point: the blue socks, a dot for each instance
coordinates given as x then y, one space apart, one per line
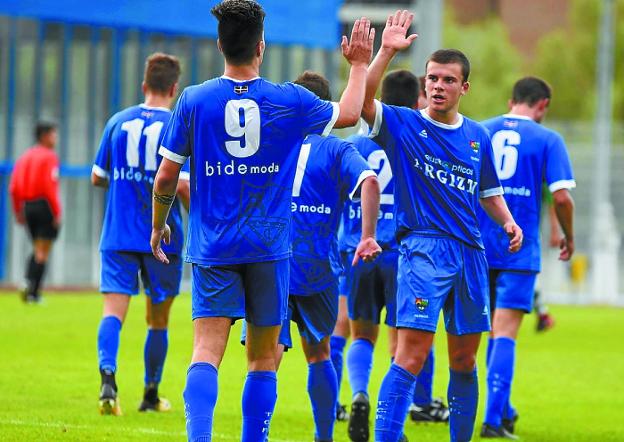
154 355
463 397
337 345
200 397
395 395
323 391
423 394
499 377
359 365
108 343
259 397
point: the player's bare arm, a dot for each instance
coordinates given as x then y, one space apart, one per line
357 51
165 185
564 208
368 249
496 208
98 181
393 40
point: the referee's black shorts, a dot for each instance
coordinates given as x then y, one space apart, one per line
40 220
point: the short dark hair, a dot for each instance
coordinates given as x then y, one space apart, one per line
423 84
162 71
400 88
448 56
530 90
241 23
42 128
315 83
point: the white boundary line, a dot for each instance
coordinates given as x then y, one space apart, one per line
141 430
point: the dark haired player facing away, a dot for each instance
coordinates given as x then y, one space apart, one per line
243 135
525 154
126 164
443 168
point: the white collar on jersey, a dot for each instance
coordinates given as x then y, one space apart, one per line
145 106
238 81
517 117
460 120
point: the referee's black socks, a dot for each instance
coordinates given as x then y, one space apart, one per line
34 275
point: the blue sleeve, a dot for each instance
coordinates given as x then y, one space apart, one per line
317 116
176 144
387 127
558 167
102 164
353 169
489 184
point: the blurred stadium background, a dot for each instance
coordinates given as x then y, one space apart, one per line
77 64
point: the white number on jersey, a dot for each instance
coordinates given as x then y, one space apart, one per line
302 162
384 174
250 128
152 135
504 144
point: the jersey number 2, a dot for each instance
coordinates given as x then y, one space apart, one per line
384 174
152 135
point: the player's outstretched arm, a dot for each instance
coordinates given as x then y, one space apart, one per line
393 40
368 249
564 208
165 185
357 51
496 208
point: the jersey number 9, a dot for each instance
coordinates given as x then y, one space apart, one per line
242 120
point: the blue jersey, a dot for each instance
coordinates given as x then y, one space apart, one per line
352 216
526 154
243 139
128 158
328 171
440 171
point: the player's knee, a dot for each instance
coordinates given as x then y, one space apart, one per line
462 360
412 361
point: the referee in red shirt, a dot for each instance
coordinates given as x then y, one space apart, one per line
34 191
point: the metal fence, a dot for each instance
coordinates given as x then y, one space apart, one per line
80 75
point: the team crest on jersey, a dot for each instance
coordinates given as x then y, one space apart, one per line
241 89
475 145
421 304
512 124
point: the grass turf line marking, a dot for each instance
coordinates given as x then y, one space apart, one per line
61 425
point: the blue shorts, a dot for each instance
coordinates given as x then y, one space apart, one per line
512 289
373 286
256 291
315 316
438 272
120 274
284 337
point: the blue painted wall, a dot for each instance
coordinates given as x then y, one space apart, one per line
311 23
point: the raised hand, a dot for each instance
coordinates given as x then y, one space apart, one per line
367 250
359 50
159 235
395 33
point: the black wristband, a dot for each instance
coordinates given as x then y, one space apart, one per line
167 200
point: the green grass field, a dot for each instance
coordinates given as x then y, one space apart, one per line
568 380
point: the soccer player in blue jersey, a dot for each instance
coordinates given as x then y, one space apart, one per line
443 168
243 135
329 170
525 155
126 164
